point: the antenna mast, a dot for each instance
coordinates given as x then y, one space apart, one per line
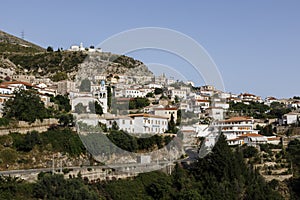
22 34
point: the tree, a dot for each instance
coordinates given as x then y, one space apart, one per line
150 94
158 91
50 49
65 119
63 102
171 125
139 102
26 105
85 86
176 99
109 97
250 152
80 108
95 108
98 108
59 76
115 126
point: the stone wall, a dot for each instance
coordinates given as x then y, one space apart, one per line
23 127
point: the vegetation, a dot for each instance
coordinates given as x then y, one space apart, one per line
46 63
61 140
80 108
59 76
124 61
65 119
293 151
220 175
134 144
266 130
49 49
63 102
47 187
4 122
26 105
259 110
158 91
150 95
109 97
9 48
139 102
95 107
172 126
249 152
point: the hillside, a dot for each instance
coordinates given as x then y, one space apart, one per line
28 58
10 43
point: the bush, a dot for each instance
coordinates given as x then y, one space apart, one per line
8 155
250 152
4 122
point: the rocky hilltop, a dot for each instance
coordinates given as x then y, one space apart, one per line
26 58
108 63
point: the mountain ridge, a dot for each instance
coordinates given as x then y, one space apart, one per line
11 39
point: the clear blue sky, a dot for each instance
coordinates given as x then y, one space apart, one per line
255 44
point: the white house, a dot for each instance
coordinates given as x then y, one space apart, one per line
140 123
221 104
236 126
133 93
187 89
294 104
154 85
179 93
204 104
270 100
216 113
250 97
208 87
290 118
166 112
5 90
207 92
124 123
146 123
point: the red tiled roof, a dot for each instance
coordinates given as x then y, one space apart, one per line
273 138
248 94
202 100
165 108
146 115
17 82
237 119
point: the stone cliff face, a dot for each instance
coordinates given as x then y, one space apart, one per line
107 63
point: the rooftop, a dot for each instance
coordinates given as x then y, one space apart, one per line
237 119
147 115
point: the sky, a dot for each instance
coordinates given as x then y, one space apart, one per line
254 44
